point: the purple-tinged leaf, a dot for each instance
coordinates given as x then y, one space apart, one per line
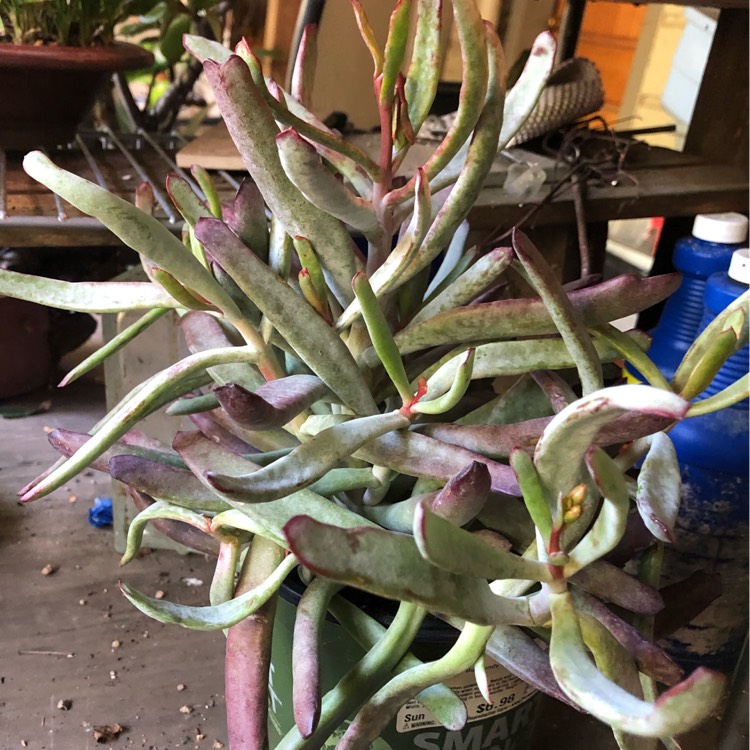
178 486
303 73
464 495
557 390
309 335
177 531
650 658
612 584
262 440
203 332
306 685
519 318
636 538
252 127
248 653
421 456
271 405
206 423
659 485
678 710
245 215
389 564
511 647
493 441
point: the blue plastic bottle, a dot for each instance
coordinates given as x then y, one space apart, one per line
709 250
712 527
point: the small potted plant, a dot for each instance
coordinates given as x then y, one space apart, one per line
55 55
347 425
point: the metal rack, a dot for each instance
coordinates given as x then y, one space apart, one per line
31 215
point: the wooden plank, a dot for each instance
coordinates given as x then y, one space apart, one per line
212 149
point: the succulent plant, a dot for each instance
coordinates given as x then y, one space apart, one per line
346 419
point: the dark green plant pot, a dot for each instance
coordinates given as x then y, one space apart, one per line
507 724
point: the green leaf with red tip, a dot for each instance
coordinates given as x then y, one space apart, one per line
659 485
677 711
395 49
389 564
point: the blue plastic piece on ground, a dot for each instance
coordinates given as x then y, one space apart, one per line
100 513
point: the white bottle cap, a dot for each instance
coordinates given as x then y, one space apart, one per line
728 228
739 266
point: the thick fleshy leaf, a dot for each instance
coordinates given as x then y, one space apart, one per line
308 462
494 441
204 332
389 564
566 318
424 68
395 49
253 130
308 622
650 658
248 653
178 486
469 285
519 654
479 159
267 519
374 716
678 710
507 358
245 215
85 296
532 490
213 429
421 456
161 510
522 98
517 318
273 404
612 584
212 617
659 483
114 345
457 551
318 345
452 397
726 334
181 533
143 233
138 404
440 700
185 199
320 186
566 439
609 526
555 388
303 74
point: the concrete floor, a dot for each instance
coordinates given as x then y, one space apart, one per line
60 632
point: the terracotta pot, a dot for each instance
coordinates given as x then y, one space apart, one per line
49 90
